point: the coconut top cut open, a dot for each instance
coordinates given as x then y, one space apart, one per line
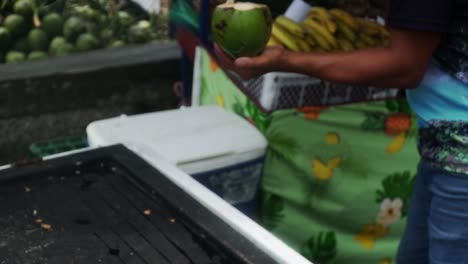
241 6
242 28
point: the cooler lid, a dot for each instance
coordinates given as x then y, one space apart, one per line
184 135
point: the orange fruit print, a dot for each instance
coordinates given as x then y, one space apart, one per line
398 123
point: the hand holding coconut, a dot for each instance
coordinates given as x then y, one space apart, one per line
250 67
241 31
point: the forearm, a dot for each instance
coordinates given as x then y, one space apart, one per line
401 65
378 67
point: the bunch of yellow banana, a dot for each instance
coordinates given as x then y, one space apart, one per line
328 30
291 35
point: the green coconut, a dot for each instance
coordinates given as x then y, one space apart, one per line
64 50
16 24
24 8
60 47
37 55
73 27
38 40
124 19
52 24
117 44
140 32
56 43
241 29
87 41
15 56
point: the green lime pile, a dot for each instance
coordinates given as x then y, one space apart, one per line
32 30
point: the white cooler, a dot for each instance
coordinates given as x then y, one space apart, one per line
216 147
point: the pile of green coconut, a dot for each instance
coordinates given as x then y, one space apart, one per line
36 29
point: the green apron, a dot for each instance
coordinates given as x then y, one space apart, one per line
336 181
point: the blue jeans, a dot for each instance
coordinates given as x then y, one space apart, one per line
437 229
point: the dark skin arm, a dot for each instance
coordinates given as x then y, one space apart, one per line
401 65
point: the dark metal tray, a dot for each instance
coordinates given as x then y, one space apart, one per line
109 206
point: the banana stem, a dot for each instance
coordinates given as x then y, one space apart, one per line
36 19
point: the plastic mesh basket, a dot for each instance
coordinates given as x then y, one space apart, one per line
45 148
275 91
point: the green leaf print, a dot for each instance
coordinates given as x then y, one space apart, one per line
397 185
320 248
374 121
392 105
272 210
398 106
251 109
238 108
261 120
404 107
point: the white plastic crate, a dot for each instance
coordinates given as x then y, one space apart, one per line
279 90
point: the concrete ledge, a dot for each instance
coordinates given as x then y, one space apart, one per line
135 74
92 61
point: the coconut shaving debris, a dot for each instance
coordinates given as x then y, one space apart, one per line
46 227
147 212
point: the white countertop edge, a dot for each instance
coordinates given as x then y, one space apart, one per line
265 240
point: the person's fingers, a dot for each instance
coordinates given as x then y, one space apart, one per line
246 67
244 62
262 61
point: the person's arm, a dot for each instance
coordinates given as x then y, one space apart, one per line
416 28
401 65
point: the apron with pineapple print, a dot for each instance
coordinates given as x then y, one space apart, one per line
337 181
